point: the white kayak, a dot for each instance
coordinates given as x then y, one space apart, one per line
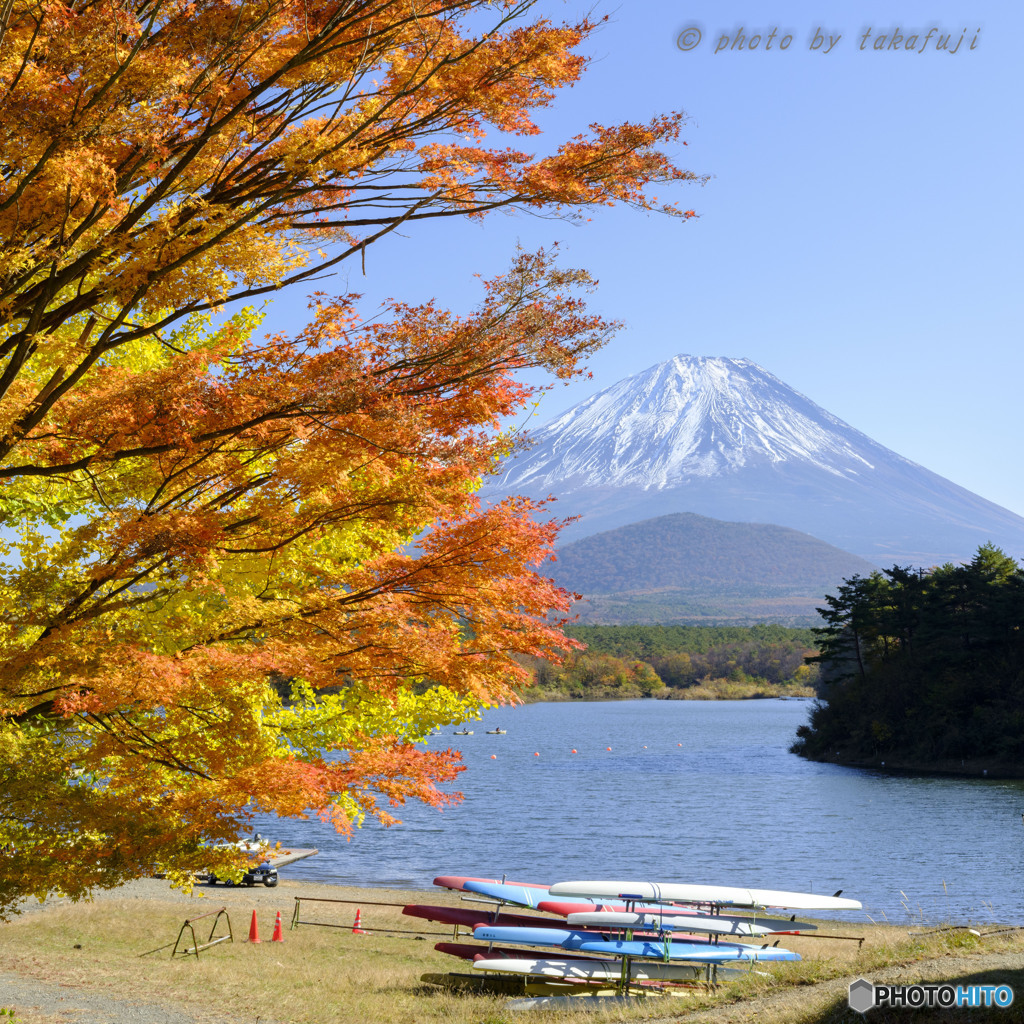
710 895
599 970
718 924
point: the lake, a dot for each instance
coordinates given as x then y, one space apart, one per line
692 791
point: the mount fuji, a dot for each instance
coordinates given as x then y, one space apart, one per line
726 439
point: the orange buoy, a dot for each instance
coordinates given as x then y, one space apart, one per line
574 750
536 753
607 748
494 757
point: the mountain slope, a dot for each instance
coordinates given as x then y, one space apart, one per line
726 439
688 568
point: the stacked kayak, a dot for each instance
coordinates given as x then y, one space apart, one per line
646 936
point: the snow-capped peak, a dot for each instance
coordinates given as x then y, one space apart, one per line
689 417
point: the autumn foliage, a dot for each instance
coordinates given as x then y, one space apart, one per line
247 573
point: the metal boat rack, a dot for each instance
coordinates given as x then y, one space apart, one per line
196 946
297 920
210 941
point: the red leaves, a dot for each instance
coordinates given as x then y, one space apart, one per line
290 510
202 512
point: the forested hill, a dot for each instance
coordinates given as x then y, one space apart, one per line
682 662
924 670
653 641
686 568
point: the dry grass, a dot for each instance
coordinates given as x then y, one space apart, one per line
317 975
814 990
331 976
728 689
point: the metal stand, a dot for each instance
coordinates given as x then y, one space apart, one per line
210 941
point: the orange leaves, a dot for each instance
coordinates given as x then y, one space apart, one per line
208 523
291 510
163 160
614 165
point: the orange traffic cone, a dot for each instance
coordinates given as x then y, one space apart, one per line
254 929
356 929
278 934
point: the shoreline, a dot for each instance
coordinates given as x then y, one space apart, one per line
718 691
975 768
205 896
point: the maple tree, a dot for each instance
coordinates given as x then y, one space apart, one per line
251 574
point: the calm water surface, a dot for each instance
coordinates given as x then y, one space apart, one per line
694 791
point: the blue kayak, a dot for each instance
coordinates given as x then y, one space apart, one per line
595 942
521 895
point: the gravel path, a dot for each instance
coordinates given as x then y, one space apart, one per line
62 1003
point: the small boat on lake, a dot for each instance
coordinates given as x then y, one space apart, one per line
496 732
463 732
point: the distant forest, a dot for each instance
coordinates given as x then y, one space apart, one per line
684 662
924 669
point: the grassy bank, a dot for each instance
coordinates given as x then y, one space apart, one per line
321 975
707 689
677 663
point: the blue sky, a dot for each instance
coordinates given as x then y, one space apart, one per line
860 236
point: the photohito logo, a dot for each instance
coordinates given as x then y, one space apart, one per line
865 996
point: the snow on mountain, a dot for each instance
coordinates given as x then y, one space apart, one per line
724 438
685 418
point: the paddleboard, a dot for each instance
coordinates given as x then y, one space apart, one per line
497 984
520 893
712 924
459 882
713 895
564 908
695 952
593 970
468 951
593 942
469 917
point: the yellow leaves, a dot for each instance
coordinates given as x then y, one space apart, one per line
181 185
202 518
83 176
335 721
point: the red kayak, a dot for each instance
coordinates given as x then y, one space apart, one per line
467 951
469 917
565 909
458 882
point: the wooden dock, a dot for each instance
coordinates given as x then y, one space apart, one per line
279 859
